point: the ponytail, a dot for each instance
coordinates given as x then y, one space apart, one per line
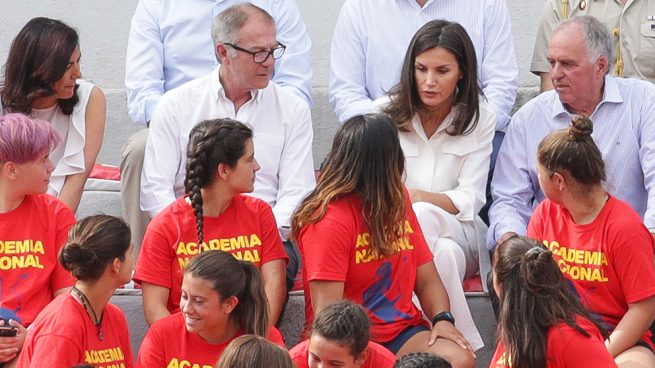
252 309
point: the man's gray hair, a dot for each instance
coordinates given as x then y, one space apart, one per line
596 36
227 23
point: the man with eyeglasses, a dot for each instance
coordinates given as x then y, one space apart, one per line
170 44
239 88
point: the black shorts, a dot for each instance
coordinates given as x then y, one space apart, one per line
397 342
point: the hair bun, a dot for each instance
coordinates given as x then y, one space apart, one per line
580 128
74 254
534 273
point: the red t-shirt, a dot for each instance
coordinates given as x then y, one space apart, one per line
246 229
64 335
378 356
30 238
168 344
609 261
336 249
566 347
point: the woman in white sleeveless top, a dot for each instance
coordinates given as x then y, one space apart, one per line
42 80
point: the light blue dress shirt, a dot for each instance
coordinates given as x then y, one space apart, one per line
170 43
624 131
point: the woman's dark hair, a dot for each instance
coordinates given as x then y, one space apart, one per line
533 298
573 150
38 57
366 159
231 277
405 98
211 142
421 360
345 323
250 351
93 243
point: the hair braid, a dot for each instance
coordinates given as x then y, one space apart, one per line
211 143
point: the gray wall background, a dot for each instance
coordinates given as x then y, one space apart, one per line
104 24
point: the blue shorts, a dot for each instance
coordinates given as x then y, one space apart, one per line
404 335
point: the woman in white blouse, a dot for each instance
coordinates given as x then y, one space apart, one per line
41 80
446 132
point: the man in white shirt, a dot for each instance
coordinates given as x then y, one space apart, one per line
170 44
240 89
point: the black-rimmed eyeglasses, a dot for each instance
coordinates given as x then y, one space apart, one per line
261 56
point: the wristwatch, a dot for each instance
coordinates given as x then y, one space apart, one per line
443 316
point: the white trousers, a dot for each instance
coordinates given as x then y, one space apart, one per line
454 246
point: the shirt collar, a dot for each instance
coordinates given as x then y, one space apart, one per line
219 92
611 94
447 121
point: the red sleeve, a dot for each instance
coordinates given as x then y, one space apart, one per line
631 257
125 340
327 247
535 226
151 352
64 220
379 356
423 254
156 254
55 351
271 242
300 354
275 336
579 351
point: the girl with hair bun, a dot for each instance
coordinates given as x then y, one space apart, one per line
82 327
540 323
340 338
600 244
42 79
214 215
222 299
33 228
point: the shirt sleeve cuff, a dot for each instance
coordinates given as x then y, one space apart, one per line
498 229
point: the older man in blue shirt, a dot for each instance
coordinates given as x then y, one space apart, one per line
623 116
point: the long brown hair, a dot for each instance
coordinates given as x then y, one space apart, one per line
366 160
405 99
533 298
231 277
211 142
38 57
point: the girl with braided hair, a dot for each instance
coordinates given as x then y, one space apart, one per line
600 244
222 299
340 338
540 323
214 215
